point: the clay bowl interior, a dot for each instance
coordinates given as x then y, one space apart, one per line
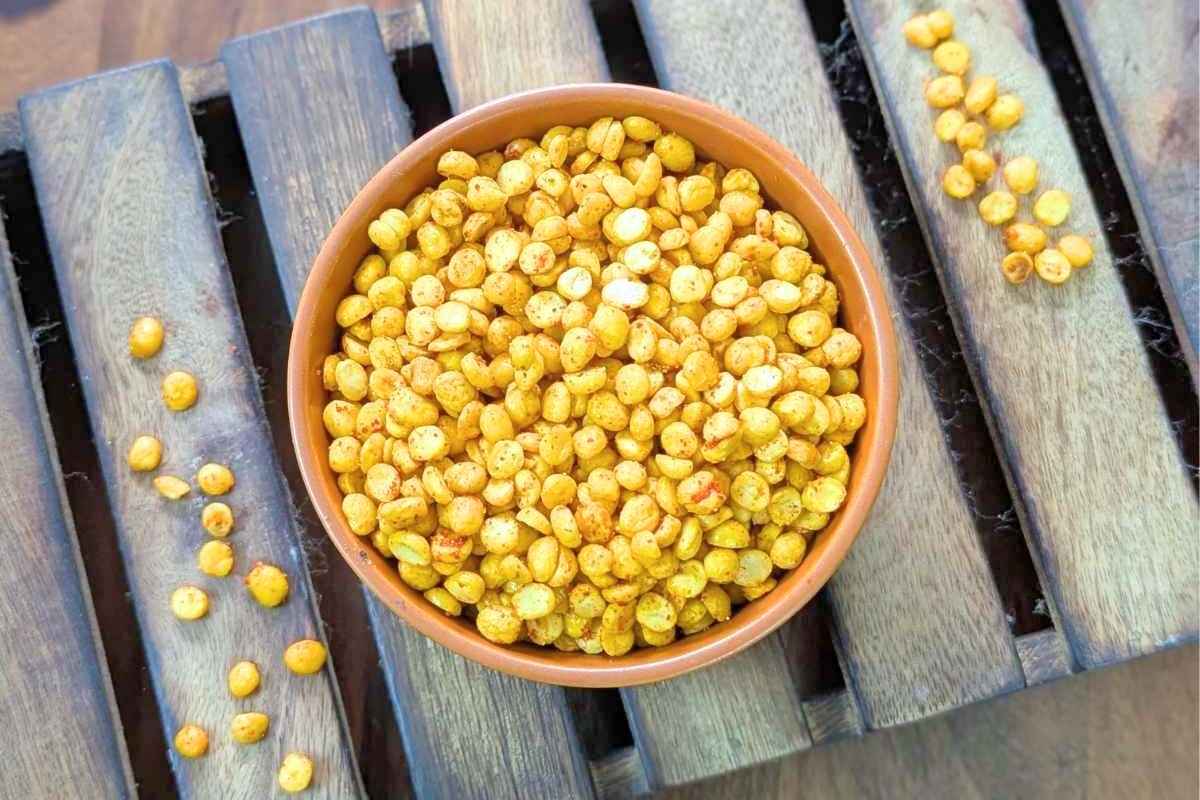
785 182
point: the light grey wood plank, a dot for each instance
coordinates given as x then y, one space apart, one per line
909 651
1044 656
489 48
1142 68
311 146
53 667
1101 488
129 222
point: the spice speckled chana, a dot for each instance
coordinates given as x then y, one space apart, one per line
305 657
145 454
179 391
295 773
590 394
267 584
145 337
191 741
243 679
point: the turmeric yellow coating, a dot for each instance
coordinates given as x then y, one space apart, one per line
591 392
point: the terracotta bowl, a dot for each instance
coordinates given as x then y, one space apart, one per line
718 135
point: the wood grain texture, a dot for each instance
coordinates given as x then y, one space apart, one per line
620 775
1101 488
489 48
311 145
917 617
1044 656
125 202
54 667
833 716
739 712
1141 68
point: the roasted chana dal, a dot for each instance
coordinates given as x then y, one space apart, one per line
591 391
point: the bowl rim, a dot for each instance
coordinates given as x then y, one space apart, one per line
678 658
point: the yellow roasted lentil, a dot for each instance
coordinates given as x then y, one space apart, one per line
572 423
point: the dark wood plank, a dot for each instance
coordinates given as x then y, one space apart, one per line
1140 68
709 721
54 667
304 180
1101 488
125 203
833 716
490 48
908 651
620 775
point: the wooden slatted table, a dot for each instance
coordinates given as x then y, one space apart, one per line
1101 485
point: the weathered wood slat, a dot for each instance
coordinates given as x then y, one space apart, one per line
1101 487
489 48
1044 656
53 668
908 650
125 202
707 722
311 145
1141 69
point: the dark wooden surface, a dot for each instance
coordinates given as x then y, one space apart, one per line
53 669
1072 401
125 202
907 652
1149 101
304 181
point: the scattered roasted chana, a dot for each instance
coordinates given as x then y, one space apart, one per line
249 727
243 679
215 558
1052 207
941 22
958 182
591 391
189 603
145 337
981 165
145 454
981 93
1021 174
948 124
179 391
952 57
1025 238
1005 112
268 584
215 479
1077 249
295 773
944 91
171 487
191 741
1052 266
1017 267
217 519
998 208
304 657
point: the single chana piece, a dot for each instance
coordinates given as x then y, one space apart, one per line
249 727
919 33
1005 112
981 165
144 454
1021 174
998 208
1017 267
267 584
944 91
1052 207
1052 266
1024 238
295 773
145 337
305 657
243 679
958 182
677 153
215 558
952 57
1077 249
191 741
189 603
171 487
217 519
948 124
971 136
179 391
980 94
941 22
215 479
